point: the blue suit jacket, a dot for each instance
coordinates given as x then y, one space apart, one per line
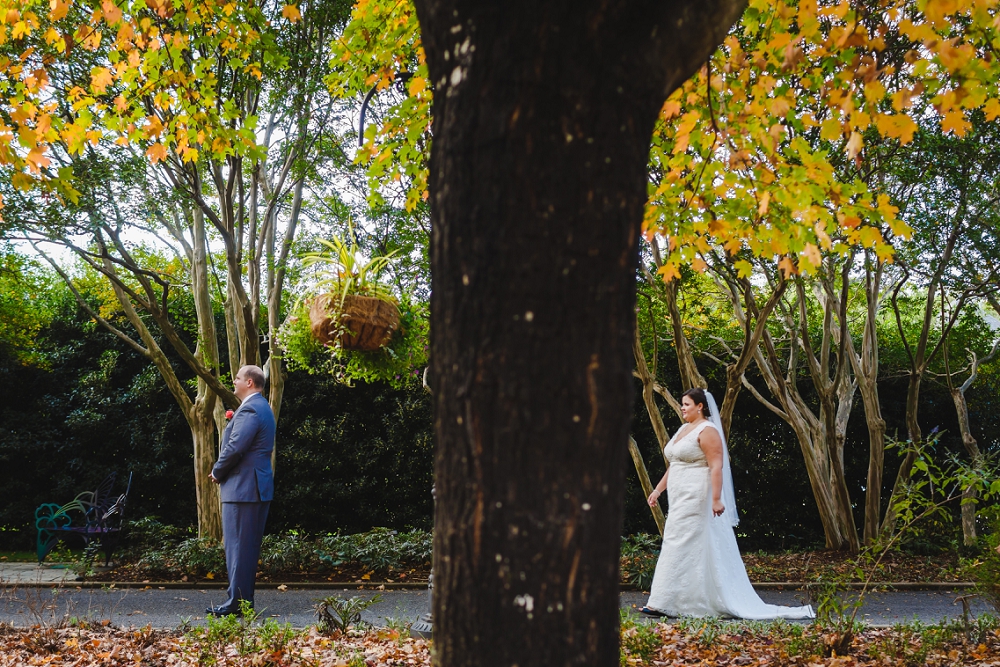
244 465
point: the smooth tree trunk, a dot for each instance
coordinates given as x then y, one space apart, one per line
646 484
969 494
820 436
543 114
206 491
655 418
865 365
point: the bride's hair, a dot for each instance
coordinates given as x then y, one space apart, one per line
697 395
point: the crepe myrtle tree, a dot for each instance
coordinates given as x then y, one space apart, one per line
542 118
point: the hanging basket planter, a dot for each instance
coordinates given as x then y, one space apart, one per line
364 323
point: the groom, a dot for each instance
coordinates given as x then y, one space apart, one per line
247 485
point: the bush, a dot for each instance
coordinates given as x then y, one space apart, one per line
639 555
986 571
380 549
158 550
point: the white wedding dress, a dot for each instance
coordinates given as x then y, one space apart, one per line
700 571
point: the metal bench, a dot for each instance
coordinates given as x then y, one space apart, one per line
92 515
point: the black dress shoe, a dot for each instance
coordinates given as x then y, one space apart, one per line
652 612
226 610
222 611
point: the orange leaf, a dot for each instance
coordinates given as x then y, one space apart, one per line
671 108
112 14
787 267
156 152
954 121
291 12
58 9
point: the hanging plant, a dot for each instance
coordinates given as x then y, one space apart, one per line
351 325
352 309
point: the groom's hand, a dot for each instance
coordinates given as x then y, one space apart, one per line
212 477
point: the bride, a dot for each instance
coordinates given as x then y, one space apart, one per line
700 571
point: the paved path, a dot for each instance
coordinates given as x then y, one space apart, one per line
25 606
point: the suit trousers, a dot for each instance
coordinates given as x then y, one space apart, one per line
242 532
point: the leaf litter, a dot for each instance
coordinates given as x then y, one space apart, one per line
691 642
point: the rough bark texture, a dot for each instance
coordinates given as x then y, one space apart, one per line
543 114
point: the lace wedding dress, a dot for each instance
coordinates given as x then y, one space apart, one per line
700 571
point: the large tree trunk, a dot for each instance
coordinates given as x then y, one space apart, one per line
543 114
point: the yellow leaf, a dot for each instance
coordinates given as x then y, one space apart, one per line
699 265
210 575
22 181
291 12
669 272
744 268
100 79
954 121
417 85
899 126
830 129
992 109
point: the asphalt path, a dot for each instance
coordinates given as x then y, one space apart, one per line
173 608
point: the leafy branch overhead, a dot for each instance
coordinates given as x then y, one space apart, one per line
767 152
151 73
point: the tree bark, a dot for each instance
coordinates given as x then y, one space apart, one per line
655 418
644 481
543 115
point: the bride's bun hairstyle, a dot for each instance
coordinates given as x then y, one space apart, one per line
697 395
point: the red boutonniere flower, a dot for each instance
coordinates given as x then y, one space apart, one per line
229 414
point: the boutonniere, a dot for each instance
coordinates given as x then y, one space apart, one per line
229 414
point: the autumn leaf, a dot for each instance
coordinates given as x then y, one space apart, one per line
854 145
291 12
156 153
992 109
58 9
955 122
812 256
100 79
669 272
765 201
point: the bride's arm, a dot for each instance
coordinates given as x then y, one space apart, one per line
711 444
658 490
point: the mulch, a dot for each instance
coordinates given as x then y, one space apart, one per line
810 566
